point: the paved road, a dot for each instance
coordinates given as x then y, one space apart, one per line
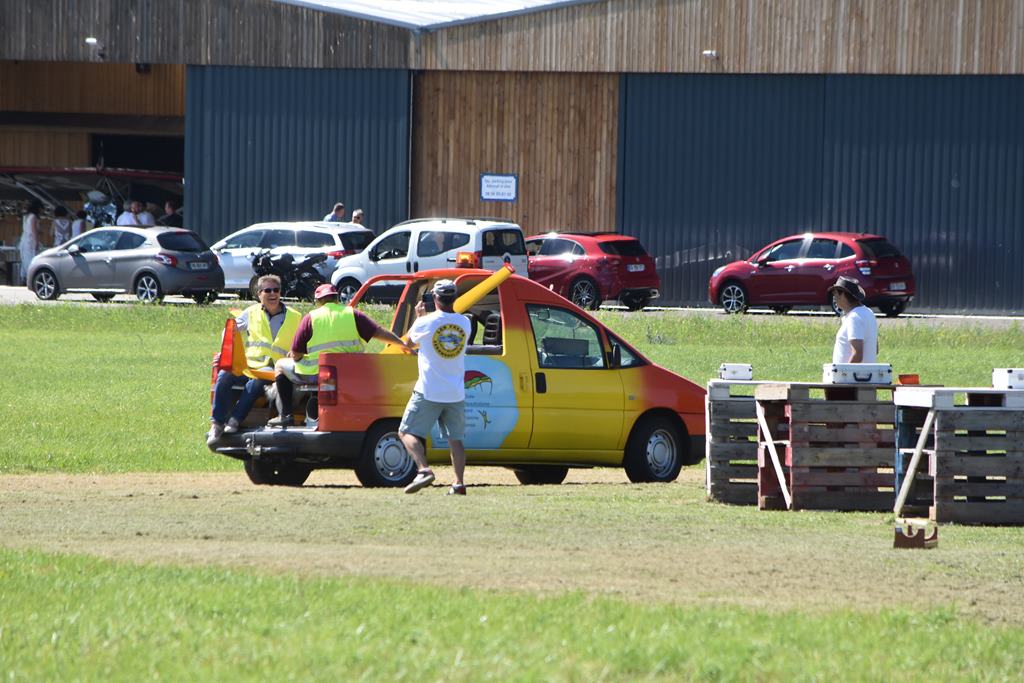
18 295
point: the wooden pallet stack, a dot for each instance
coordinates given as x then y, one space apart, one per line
974 453
834 444
731 442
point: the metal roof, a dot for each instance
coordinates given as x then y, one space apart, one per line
431 14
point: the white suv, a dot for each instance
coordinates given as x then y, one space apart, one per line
427 243
299 239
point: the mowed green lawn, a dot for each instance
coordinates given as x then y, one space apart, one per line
90 389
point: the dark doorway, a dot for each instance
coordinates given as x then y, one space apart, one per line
140 152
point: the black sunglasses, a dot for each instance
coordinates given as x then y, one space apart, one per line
271 290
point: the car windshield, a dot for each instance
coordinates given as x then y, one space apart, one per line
623 248
501 242
879 248
181 241
356 241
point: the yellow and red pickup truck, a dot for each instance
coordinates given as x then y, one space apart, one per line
548 387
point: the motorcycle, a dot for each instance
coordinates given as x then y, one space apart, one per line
298 280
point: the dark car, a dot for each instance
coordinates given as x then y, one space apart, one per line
798 270
588 268
148 262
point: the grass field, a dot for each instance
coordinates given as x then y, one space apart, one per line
201 576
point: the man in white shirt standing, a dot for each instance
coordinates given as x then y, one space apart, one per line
857 338
440 391
136 215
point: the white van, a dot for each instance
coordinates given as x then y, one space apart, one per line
427 243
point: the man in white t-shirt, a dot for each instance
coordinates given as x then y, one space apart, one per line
440 391
857 338
136 215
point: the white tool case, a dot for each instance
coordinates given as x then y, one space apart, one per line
856 373
739 371
1008 378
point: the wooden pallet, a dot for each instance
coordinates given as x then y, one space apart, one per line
836 446
731 444
975 455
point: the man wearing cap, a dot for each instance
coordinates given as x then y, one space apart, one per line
328 328
440 391
857 338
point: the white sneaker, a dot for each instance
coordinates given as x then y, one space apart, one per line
216 431
423 479
231 427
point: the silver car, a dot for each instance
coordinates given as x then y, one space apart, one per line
149 262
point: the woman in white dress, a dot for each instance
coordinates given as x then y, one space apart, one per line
29 244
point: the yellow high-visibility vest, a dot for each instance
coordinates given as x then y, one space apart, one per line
261 349
334 331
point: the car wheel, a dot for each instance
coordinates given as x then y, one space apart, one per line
44 284
781 310
654 451
894 309
102 297
148 290
384 460
204 298
733 298
347 289
540 475
265 472
635 302
584 293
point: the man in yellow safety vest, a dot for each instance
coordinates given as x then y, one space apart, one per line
268 328
328 328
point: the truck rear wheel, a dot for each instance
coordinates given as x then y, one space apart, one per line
265 472
384 460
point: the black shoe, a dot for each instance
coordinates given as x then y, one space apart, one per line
285 421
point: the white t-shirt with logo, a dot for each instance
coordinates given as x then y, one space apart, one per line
442 340
859 323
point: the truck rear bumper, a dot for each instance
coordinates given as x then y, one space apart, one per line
300 444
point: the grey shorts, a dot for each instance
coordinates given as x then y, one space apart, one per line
421 414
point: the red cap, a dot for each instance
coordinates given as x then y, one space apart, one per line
324 291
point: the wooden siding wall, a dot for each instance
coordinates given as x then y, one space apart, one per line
43 148
83 88
750 36
201 32
558 132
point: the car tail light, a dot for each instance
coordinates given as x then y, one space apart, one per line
328 377
166 259
468 259
605 263
339 254
864 266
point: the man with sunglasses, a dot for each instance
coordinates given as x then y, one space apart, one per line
268 329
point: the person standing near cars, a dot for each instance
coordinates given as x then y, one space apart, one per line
440 392
337 215
29 243
171 217
135 215
80 224
329 328
857 338
61 226
268 329
357 216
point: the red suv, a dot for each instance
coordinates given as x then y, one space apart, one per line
798 270
590 267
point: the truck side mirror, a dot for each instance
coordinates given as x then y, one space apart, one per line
616 356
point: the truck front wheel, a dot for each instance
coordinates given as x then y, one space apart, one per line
655 450
384 460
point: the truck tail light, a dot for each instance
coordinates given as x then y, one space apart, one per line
468 259
166 259
328 377
864 266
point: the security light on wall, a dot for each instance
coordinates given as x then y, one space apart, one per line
98 51
710 54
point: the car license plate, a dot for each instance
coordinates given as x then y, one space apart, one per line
898 287
635 267
199 265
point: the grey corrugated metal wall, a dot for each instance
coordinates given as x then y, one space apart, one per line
714 166
266 144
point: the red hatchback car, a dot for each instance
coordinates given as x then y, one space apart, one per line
798 270
590 267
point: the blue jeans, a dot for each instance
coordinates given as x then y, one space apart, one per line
223 395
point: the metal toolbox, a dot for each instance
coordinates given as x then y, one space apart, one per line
740 371
856 373
1008 378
